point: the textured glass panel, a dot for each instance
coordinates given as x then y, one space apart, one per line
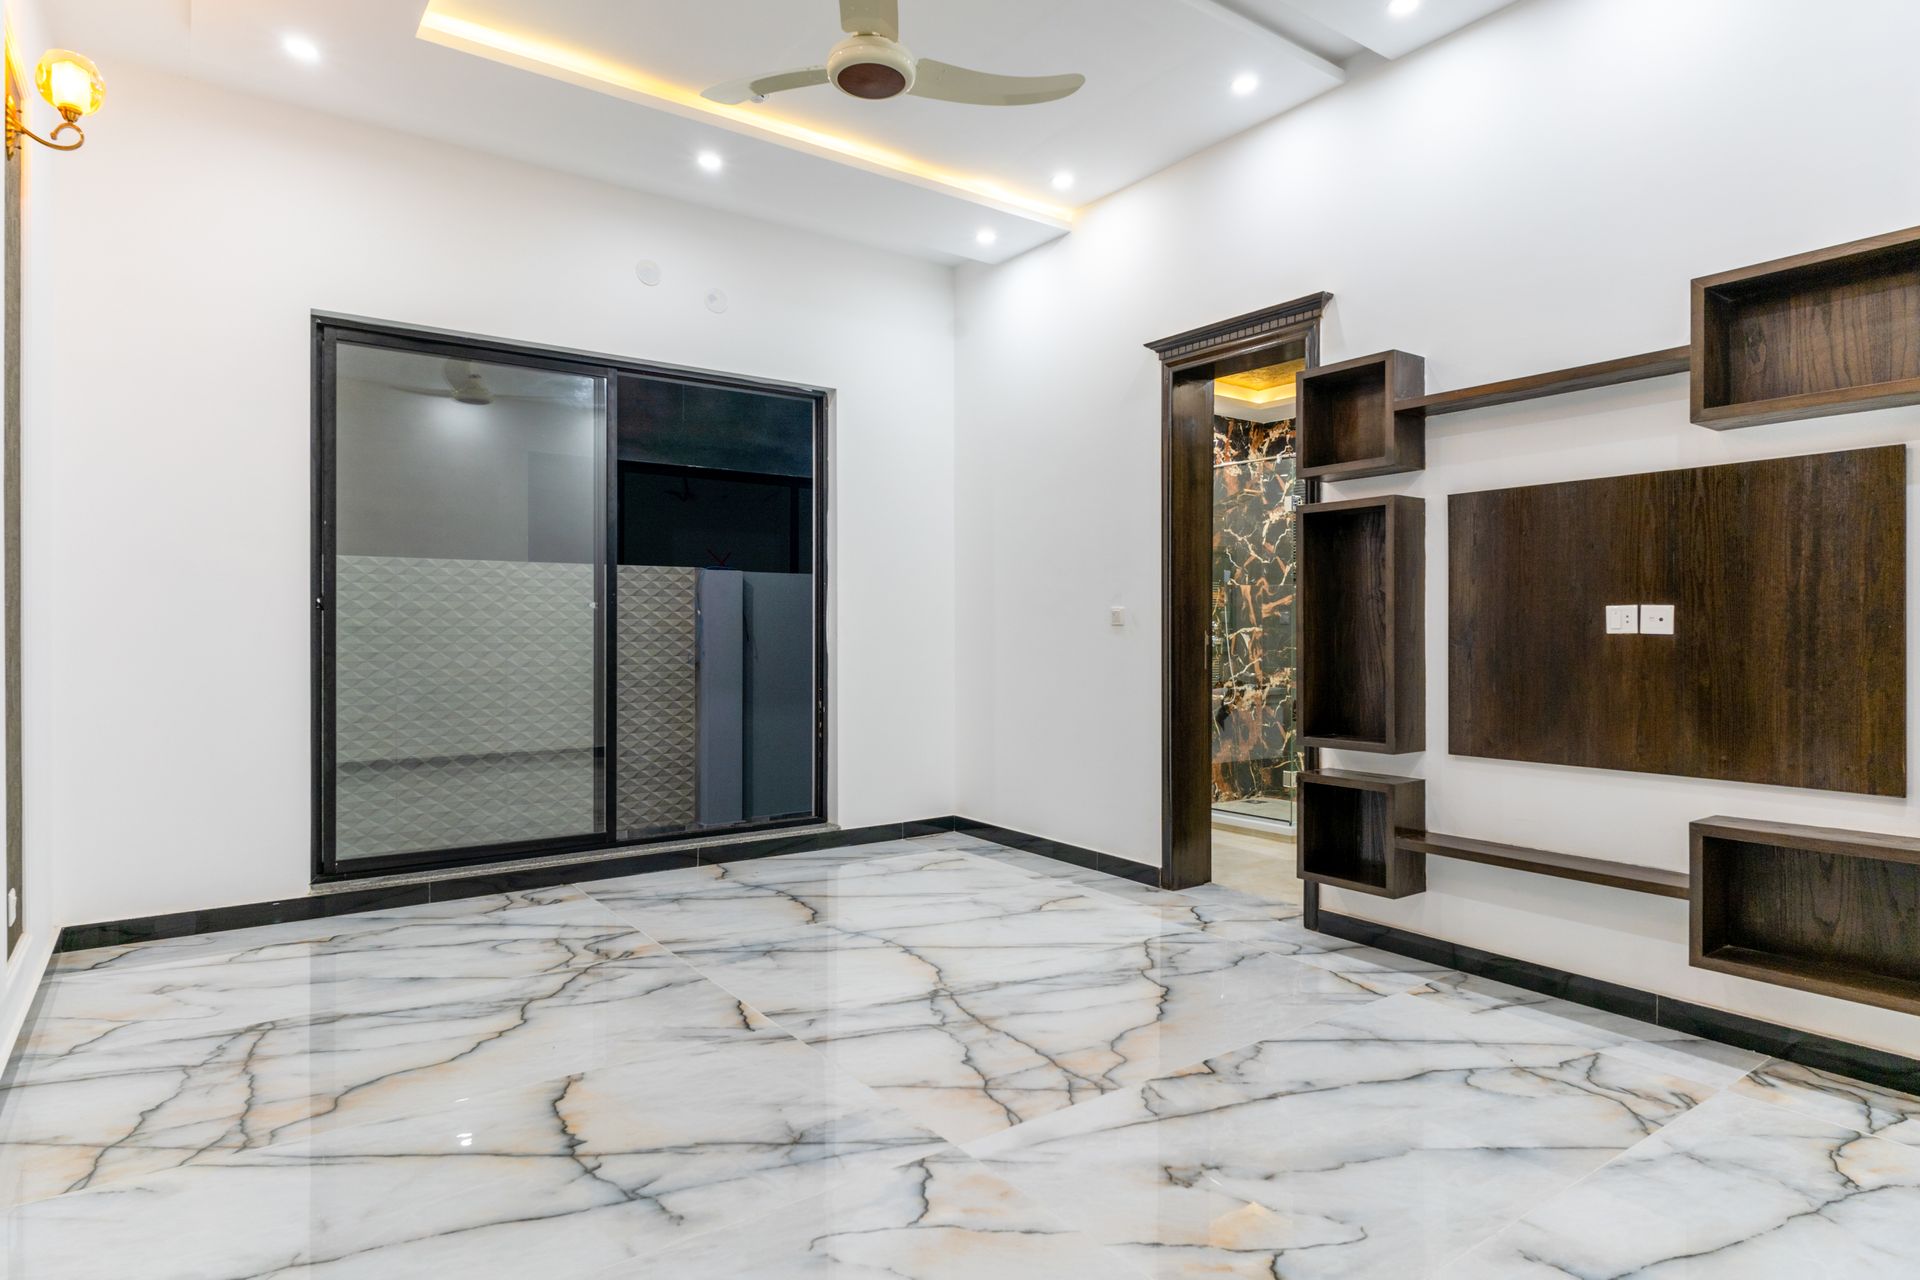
715 662
469 527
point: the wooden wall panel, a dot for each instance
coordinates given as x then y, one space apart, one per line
1788 662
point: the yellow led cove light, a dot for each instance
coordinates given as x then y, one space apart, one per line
590 71
1241 395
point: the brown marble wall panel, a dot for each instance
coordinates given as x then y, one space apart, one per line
1255 494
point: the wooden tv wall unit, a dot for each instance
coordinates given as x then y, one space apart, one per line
1786 667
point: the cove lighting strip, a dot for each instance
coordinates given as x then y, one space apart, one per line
590 71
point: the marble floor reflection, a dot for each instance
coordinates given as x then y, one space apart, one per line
936 1059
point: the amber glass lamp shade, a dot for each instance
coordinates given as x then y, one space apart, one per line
70 82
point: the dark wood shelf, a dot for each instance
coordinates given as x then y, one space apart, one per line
1350 828
1832 331
1830 911
1362 607
1346 422
1605 373
1564 866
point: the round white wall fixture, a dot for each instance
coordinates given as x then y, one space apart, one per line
647 272
716 301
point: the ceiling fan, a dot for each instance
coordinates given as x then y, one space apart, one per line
872 63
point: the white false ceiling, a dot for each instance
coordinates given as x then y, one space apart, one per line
610 89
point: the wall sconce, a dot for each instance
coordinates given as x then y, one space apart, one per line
73 85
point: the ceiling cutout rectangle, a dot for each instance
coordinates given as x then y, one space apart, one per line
595 71
1005 105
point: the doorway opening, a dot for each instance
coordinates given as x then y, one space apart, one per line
1231 753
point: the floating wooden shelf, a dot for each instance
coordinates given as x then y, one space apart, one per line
1350 825
1564 866
1362 604
1605 373
1832 331
1346 420
1830 911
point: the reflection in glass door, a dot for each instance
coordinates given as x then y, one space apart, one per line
467 582
716 710
1256 492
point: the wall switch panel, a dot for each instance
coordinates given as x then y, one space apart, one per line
1117 616
1623 619
1656 619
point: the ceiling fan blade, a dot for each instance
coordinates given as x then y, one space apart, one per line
736 91
949 83
870 18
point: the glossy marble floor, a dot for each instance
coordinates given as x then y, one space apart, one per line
931 1060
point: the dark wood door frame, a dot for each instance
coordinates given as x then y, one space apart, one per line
1188 364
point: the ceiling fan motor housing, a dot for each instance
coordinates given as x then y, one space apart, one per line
870 67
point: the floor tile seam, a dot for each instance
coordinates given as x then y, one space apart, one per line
1616 1158
1807 1113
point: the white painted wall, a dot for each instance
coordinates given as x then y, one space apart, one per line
20 972
1534 193
167 535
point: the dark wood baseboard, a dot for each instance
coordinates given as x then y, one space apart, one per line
1875 1066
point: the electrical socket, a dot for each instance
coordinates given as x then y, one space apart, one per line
1656 619
1623 619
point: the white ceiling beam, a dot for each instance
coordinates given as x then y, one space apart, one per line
1261 31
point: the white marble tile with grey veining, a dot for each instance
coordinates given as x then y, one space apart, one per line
940 1218
156 1097
1662 1048
1377 1142
970 1058
1738 1190
560 1176
1884 1113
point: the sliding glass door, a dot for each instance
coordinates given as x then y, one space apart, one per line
468 533
560 603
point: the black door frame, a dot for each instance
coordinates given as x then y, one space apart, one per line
1189 362
328 329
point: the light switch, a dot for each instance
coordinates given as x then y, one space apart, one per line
1117 616
1623 619
1656 619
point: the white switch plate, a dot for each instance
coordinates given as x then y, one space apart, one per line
1656 619
1117 616
1623 619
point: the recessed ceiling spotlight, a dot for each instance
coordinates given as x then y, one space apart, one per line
1063 181
710 161
1402 8
1244 83
986 235
299 48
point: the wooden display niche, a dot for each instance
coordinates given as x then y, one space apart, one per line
1362 602
1347 421
1350 825
1835 912
1832 331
